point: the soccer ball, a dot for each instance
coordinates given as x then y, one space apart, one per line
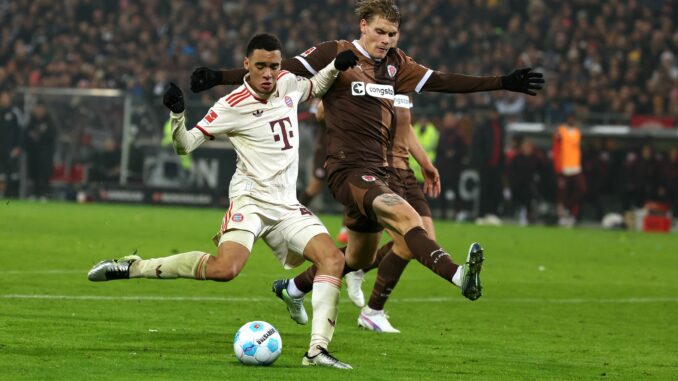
257 343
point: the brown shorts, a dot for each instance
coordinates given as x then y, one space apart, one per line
411 191
356 188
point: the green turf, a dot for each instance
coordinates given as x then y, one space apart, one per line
557 305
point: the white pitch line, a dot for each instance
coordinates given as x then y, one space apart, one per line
395 300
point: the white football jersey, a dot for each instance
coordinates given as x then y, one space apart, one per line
265 135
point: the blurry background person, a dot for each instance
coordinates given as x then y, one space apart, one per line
106 163
487 156
567 163
523 173
670 173
427 135
40 143
449 156
10 146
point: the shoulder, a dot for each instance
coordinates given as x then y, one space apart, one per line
233 98
398 55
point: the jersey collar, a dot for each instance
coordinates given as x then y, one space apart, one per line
362 50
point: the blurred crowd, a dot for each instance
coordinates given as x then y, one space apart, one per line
615 56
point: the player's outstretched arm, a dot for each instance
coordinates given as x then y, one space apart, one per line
322 81
521 80
183 141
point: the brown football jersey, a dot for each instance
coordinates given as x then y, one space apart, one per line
359 110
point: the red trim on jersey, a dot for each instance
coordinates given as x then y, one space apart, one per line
283 72
227 217
310 90
239 99
230 97
204 132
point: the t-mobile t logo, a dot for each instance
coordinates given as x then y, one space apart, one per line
284 132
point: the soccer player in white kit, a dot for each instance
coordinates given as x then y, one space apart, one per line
260 119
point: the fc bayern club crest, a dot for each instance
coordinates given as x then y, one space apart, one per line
391 70
238 217
288 101
369 178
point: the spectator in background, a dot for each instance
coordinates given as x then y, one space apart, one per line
106 163
670 174
427 135
10 146
523 176
567 163
450 154
487 156
596 172
40 144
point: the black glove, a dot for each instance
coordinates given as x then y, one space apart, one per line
203 78
345 59
174 99
523 81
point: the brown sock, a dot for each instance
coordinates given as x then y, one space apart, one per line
390 270
429 253
304 281
381 253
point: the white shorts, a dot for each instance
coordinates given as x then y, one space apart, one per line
286 229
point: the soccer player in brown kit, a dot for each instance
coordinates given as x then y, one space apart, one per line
359 115
391 260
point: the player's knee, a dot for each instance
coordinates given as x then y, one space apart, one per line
224 273
332 261
406 222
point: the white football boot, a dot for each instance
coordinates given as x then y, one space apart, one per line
375 320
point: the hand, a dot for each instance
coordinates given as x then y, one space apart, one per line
345 59
431 181
523 81
203 78
174 99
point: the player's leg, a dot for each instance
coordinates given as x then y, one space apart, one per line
391 267
396 214
325 299
305 234
232 256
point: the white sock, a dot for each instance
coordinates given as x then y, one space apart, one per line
293 290
325 301
185 265
457 278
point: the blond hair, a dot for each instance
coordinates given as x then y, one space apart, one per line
368 9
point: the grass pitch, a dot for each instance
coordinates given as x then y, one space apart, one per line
557 305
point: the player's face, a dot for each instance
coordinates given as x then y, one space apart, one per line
264 67
378 36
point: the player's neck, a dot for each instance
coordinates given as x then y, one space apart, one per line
364 51
256 92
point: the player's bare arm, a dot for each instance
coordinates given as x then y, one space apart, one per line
430 172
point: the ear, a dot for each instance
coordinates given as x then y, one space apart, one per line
246 64
363 26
